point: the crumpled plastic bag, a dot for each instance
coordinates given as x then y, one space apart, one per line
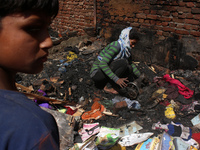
89 144
166 142
169 112
88 130
107 137
66 125
145 145
71 56
134 138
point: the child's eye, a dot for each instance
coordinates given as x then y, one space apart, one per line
33 30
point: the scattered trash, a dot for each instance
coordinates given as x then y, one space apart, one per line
64 89
166 142
134 138
95 113
196 121
129 128
120 102
107 137
155 143
71 56
196 137
89 130
182 88
158 125
144 145
87 145
175 129
169 112
180 144
66 125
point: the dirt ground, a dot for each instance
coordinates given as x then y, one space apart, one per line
75 76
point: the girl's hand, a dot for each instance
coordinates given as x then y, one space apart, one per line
122 82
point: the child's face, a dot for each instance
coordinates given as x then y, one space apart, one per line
133 42
24 42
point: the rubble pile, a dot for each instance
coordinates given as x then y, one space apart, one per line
159 110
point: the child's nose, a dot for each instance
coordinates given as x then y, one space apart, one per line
46 43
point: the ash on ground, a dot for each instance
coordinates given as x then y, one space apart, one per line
75 85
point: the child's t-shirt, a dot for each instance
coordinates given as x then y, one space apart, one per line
24 125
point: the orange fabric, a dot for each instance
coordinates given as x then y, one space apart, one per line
121 104
96 99
95 112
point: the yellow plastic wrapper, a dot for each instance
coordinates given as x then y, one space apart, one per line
192 148
71 56
169 112
118 147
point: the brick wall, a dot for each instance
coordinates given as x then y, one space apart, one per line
74 15
165 17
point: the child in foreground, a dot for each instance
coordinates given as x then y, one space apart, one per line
24 44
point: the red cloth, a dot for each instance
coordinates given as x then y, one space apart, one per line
183 90
70 111
196 137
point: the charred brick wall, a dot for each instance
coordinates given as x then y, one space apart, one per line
166 17
74 15
156 20
163 16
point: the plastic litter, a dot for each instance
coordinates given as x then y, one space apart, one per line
175 129
118 99
158 93
133 104
193 143
196 137
155 143
129 128
66 125
169 112
158 125
95 113
134 138
87 145
107 137
62 69
71 56
144 145
118 147
166 142
88 130
190 107
196 121
122 102
180 144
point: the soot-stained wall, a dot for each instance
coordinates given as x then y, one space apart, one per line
163 16
158 21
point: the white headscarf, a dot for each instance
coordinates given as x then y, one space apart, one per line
124 43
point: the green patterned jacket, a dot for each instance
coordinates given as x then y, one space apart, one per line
105 57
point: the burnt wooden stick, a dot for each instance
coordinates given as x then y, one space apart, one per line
42 98
23 88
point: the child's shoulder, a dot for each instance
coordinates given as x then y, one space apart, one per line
114 44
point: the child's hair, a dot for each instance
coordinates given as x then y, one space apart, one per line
134 35
49 7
